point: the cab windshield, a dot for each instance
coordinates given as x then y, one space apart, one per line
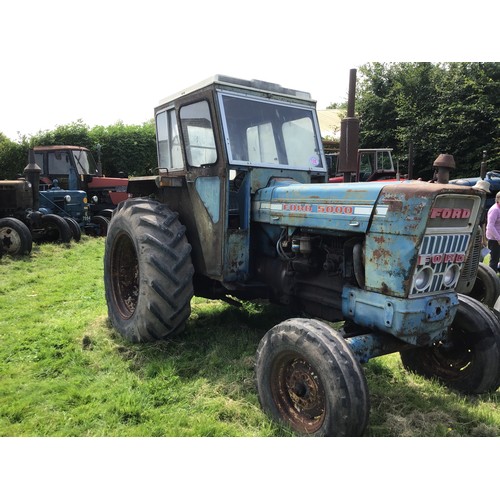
268 133
85 163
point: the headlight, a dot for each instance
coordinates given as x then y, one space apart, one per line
67 198
451 275
423 279
95 199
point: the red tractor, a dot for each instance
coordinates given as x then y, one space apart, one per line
373 164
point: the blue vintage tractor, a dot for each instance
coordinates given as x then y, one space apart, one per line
71 205
241 208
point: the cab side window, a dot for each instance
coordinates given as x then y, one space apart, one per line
198 134
168 141
59 163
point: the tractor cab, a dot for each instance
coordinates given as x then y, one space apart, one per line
220 142
374 164
72 166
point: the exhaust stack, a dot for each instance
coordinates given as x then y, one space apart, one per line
349 136
32 173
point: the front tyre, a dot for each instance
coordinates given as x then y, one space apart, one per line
107 213
468 360
308 378
148 273
76 230
100 225
54 229
15 237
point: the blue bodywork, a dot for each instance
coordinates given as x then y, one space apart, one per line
264 222
55 201
340 208
393 221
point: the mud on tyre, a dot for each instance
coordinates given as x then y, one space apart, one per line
308 378
148 273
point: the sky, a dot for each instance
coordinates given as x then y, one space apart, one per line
106 61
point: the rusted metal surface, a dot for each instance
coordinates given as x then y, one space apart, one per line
444 164
418 321
298 392
374 344
418 214
15 195
349 136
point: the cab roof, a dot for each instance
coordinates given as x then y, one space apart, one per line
229 81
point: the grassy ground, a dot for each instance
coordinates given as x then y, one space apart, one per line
64 371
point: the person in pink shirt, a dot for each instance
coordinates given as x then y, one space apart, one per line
493 233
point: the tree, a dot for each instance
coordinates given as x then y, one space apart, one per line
440 108
130 149
13 158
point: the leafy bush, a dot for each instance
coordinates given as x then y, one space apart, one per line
13 158
438 108
130 149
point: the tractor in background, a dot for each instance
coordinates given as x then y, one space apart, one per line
23 219
374 164
74 168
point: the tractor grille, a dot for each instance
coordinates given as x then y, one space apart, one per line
438 254
15 195
470 268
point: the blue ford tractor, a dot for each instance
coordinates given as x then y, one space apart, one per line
70 204
242 208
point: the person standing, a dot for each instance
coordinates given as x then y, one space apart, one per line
493 233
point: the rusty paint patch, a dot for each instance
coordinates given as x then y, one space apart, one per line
381 253
422 189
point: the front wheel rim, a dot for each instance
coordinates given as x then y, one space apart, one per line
454 359
298 393
11 240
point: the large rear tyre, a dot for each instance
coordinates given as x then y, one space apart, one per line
148 273
469 359
15 237
76 230
53 228
309 379
486 288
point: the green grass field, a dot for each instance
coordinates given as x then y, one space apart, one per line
65 372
